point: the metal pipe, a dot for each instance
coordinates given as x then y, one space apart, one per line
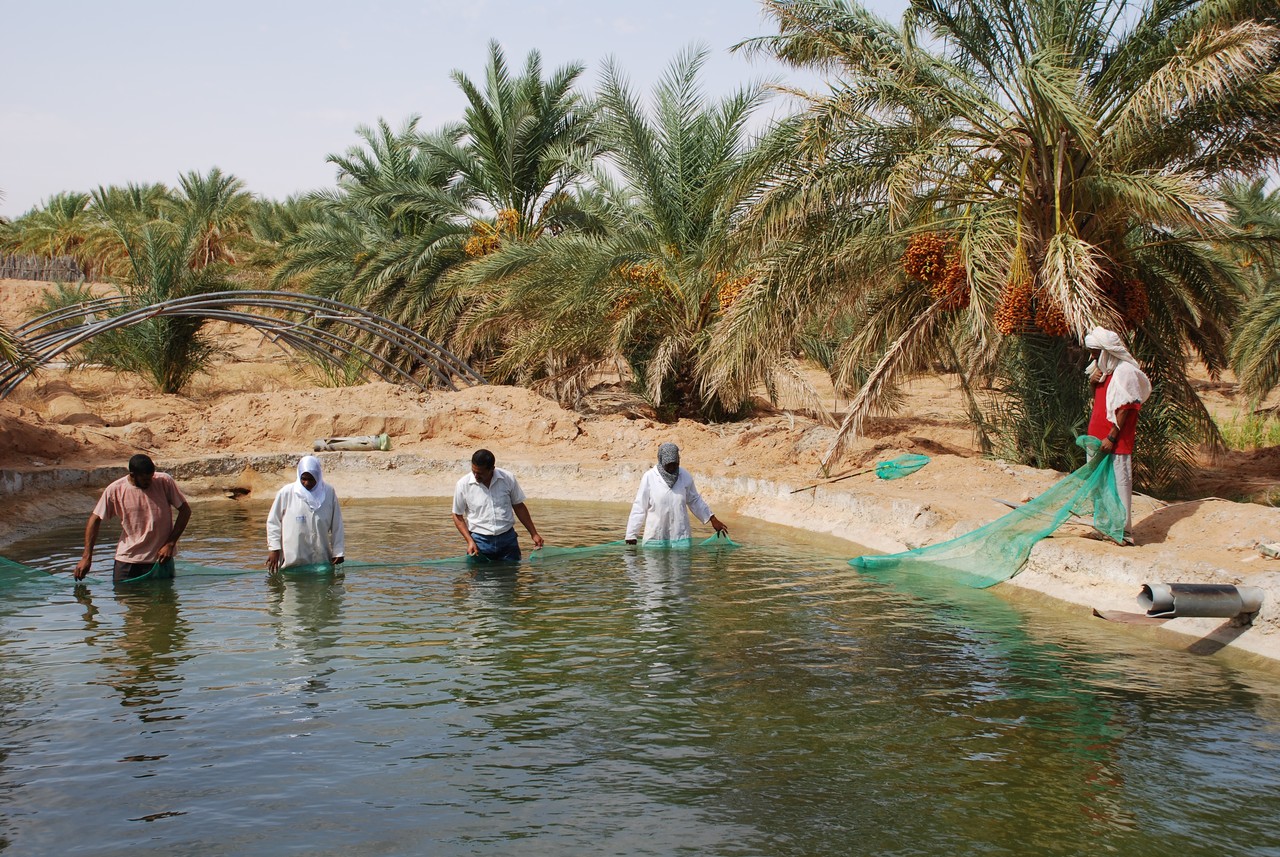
1215 600
310 334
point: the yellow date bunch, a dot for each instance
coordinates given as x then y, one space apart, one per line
487 237
646 275
729 288
936 261
640 278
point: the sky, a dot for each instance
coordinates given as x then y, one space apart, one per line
97 93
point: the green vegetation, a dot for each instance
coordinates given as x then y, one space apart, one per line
989 180
12 349
1255 349
154 245
1246 430
972 190
412 208
641 279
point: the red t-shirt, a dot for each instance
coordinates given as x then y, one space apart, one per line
1100 426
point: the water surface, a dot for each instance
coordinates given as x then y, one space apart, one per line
764 701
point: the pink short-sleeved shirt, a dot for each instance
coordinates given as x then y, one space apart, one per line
145 519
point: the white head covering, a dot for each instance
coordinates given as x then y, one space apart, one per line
1129 384
1113 350
668 453
314 497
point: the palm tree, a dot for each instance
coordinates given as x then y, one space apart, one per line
272 223
384 238
220 207
1255 346
645 281
522 142
57 227
412 207
135 204
85 226
159 254
12 349
987 181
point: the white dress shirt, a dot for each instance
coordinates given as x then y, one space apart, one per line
488 510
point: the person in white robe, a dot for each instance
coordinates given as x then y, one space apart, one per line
666 497
304 526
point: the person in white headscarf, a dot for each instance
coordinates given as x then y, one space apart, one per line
304 526
666 492
1119 389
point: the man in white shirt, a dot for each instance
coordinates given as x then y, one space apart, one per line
486 504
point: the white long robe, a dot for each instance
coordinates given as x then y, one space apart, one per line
307 536
662 510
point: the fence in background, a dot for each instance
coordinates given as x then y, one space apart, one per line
59 268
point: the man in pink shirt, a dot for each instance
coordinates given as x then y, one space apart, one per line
148 534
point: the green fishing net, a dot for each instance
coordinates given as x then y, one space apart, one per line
13 572
903 465
716 541
997 551
16 573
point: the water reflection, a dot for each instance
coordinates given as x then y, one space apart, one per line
487 592
144 663
83 596
16 690
307 608
307 611
659 582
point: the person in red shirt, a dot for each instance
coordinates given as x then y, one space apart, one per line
1119 389
148 534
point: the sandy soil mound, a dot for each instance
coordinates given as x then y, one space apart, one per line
27 440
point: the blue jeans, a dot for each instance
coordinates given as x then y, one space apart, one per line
504 547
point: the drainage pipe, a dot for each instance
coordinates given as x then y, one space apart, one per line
1174 600
371 441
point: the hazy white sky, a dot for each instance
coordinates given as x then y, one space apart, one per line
96 92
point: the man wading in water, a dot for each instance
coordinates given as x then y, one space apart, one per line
486 504
148 535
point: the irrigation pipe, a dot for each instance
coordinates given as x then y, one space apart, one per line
308 335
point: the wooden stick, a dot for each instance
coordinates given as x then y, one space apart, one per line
837 479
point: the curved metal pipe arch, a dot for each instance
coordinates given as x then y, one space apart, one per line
48 341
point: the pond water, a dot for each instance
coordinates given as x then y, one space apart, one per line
759 701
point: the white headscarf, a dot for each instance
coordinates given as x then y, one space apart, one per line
1129 384
314 497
